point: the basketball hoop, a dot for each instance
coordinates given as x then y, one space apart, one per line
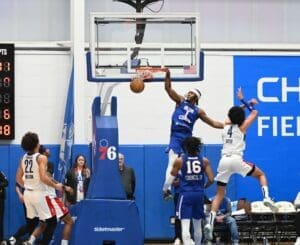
145 73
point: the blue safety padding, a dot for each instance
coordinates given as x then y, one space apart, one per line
134 158
105 182
107 220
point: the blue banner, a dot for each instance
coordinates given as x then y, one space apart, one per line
273 140
67 136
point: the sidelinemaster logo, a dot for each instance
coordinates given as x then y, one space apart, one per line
108 229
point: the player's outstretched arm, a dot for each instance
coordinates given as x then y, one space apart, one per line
250 106
209 121
170 91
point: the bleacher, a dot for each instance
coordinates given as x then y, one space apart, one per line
261 225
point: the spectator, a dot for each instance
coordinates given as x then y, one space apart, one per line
223 216
127 177
3 185
78 178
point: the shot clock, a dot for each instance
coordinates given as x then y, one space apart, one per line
7 92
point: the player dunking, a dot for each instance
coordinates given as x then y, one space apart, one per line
32 175
183 119
231 162
193 168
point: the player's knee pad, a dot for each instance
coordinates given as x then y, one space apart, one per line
50 228
51 223
31 224
221 183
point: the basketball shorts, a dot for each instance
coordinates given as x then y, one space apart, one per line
232 164
38 204
190 205
60 209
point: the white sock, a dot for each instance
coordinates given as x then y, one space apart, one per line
64 242
211 218
265 191
31 239
12 240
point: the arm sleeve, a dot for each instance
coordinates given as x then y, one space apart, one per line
168 182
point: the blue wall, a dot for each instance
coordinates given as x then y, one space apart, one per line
273 139
149 162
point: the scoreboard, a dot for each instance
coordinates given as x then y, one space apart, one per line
7 91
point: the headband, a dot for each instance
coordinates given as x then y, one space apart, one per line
196 92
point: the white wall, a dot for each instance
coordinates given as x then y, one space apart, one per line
41 81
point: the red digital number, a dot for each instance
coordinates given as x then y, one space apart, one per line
6 114
5 129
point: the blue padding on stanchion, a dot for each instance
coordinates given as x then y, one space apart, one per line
105 181
106 220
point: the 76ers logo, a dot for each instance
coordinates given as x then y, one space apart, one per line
106 151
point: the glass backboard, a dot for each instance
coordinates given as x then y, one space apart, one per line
122 43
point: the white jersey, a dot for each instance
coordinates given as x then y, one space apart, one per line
233 140
50 190
31 175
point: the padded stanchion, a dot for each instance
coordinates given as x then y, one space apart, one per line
105 216
103 221
105 180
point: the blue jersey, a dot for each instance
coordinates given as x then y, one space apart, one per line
192 174
225 206
183 120
191 196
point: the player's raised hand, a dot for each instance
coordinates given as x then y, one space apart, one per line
239 93
253 101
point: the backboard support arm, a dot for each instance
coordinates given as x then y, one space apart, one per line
140 28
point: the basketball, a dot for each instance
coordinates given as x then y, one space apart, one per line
137 85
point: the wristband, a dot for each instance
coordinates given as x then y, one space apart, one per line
249 107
